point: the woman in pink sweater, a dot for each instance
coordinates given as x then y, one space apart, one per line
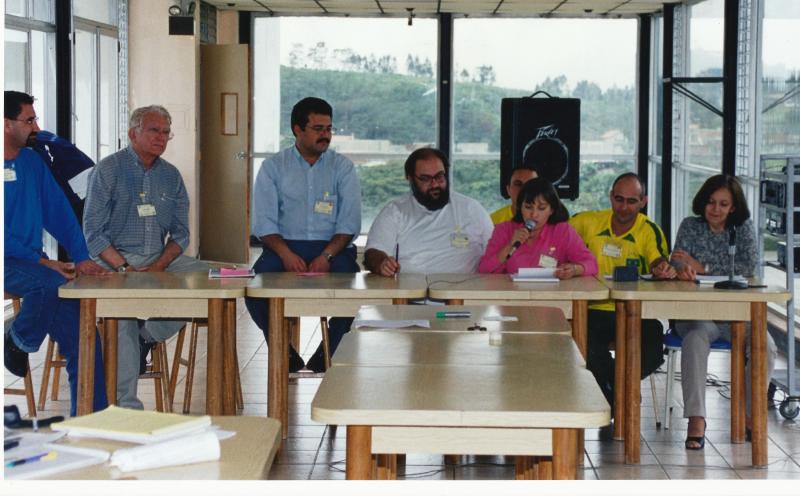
552 243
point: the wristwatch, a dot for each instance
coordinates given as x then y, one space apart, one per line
328 256
123 268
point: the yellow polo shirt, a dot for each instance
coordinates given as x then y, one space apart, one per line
502 214
644 242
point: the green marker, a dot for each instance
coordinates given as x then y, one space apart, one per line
453 315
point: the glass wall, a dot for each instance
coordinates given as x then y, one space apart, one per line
379 75
594 60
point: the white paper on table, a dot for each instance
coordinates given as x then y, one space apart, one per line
181 451
501 318
26 438
535 274
392 324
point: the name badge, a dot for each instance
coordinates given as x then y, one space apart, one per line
459 240
547 262
146 210
323 207
10 175
612 250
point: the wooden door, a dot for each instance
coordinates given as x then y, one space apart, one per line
225 153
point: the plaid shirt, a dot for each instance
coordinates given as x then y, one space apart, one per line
117 187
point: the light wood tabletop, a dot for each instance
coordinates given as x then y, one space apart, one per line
688 300
528 319
571 295
153 295
526 411
400 347
246 456
333 294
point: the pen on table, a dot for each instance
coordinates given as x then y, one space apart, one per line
30 459
453 315
397 256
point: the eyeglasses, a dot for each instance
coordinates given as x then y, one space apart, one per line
321 129
29 121
426 179
165 133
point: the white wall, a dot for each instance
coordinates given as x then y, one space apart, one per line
163 70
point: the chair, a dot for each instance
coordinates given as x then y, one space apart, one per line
53 362
673 343
158 370
27 391
189 362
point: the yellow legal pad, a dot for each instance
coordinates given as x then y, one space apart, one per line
136 426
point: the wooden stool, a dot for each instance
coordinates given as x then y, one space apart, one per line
189 362
53 361
28 390
158 370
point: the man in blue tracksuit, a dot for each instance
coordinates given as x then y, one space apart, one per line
33 203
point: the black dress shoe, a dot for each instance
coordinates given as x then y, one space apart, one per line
16 360
317 361
296 362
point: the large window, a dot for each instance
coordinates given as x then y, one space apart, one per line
590 59
379 75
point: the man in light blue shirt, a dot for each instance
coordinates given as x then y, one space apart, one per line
306 211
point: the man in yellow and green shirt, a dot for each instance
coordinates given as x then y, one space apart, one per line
622 236
518 178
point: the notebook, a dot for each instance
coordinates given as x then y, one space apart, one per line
135 426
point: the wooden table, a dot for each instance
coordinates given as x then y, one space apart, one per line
246 456
690 301
534 410
529 319
339 294
158 295
399 347
571 295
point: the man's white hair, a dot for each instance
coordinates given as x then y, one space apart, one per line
138 115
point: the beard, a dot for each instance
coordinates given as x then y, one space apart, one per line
31 140
429 201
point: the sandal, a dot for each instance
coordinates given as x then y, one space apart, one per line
700 440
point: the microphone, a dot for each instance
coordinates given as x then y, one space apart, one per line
730 283
530 225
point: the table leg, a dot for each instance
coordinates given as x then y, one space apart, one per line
525 467
544 468
580 312
110 338
633 367
87 335
214 356
229 358
758 381
278 366
565 442
386 467
455 302
359 457
399 301
737 382
619 373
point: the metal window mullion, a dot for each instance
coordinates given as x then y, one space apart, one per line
96 95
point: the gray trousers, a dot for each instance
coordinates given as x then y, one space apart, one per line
697 338
150 330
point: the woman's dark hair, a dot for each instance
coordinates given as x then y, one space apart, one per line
740 211
540 186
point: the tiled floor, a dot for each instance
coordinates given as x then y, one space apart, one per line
315 451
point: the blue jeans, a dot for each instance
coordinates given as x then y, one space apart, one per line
269 261
43 313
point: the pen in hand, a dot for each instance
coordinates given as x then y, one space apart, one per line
397 257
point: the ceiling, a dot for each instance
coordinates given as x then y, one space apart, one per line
427 8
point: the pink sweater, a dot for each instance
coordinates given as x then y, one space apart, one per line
559 241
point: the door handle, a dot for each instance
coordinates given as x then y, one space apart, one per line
241 156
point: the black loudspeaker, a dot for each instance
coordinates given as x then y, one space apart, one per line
544 134
181 25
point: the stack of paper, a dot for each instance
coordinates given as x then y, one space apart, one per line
225 272
701 279
391 324
135 426
535 274
42 460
